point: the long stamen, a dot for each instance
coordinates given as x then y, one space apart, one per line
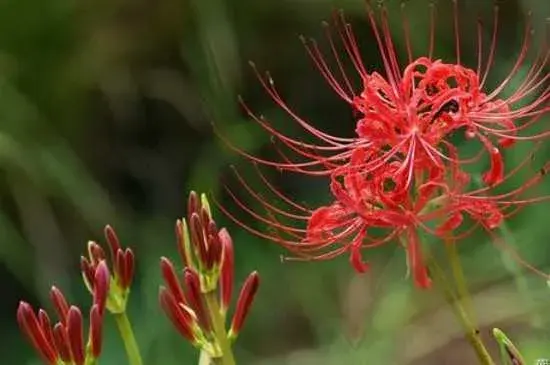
492 47
456 31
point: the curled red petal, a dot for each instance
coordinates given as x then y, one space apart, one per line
356 259
414 252
495 174
454 221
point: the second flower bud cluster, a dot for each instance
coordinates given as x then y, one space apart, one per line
197 298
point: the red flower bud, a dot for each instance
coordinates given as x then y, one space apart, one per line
178 315
194 297
45 325
112 240
129 267
227 269
87 270
197 239
95 252
244 302
60 304
122 260
171 280
75 332
182 243
31 327
193 204
95 331
101 286
62 342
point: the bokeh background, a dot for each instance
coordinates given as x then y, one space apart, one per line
105 118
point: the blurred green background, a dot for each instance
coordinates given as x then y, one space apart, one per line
105 118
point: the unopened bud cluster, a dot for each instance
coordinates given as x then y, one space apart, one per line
109 284
63 343
197 298
122 263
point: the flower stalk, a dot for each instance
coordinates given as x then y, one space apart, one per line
127 335
220 333
457 304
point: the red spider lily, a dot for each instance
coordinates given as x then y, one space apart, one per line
405 119
63 343
411 110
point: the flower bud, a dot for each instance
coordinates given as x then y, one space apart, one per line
179 316
30 326
227 269
122 270
244 302
194 296
63 343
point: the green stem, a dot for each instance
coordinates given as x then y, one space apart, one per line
471 331
205 358
460 279
220 332
127 334
87 362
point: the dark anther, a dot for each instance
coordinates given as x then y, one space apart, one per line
449 107
388 185
431 89
383 95
356 113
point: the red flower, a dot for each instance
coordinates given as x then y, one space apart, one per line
401 172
